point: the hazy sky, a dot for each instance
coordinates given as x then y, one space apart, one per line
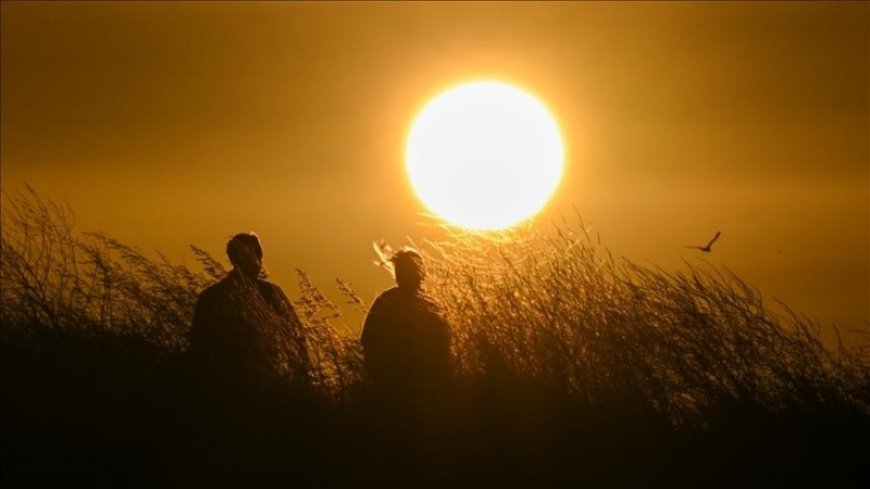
166 124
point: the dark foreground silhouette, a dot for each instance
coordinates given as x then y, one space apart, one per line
571 370
244 328
405 339
107 412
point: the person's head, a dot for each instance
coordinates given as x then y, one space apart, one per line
408 267
246 254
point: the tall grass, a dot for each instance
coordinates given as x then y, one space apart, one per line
553 307
570 365
55 280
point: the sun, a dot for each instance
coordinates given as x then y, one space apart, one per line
484 155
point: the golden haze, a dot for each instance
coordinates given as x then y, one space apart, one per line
166 124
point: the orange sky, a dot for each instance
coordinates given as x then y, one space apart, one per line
165 124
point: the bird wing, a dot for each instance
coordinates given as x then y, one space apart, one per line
718 233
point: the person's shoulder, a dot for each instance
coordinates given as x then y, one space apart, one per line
428 306
215 289
213 295
385 298
430 302
388 295
270 286
274 293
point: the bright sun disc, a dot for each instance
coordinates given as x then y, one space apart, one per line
484 155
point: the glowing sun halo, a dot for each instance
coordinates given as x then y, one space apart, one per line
484 155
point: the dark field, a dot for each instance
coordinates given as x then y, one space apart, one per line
571 368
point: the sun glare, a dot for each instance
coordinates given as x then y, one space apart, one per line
484 155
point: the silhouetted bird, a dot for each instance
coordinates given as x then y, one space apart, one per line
706 249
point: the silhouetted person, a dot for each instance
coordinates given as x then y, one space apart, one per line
405 338
245 330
